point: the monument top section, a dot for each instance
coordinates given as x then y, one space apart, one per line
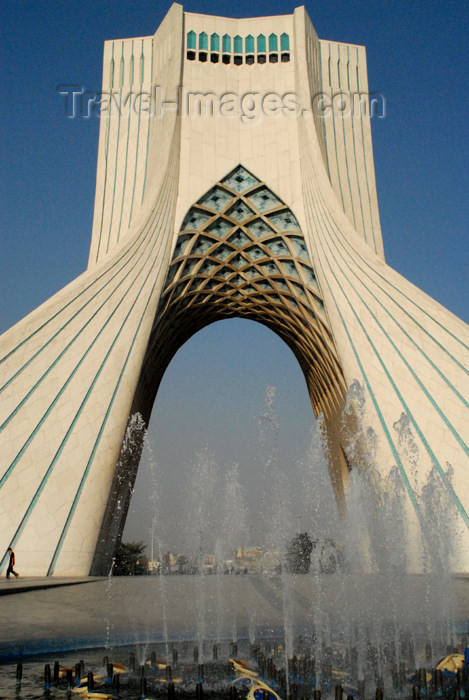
237 89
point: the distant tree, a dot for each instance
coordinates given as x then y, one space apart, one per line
130 560
182 562
299 553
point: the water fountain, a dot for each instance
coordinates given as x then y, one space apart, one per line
356 623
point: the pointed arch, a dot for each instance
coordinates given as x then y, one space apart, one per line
249 43
273 42
203 41
226 43
214 42
191 40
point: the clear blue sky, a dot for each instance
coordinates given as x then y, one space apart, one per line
417 58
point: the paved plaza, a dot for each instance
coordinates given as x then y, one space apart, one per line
46 615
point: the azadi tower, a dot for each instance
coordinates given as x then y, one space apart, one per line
235 178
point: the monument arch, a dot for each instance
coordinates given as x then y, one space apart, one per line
199 217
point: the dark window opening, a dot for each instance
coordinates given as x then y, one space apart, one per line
249 60
202 56
273 58
226 58
214 57
261 58
191 55
238 60
285 57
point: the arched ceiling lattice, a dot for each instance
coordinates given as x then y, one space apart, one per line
240 252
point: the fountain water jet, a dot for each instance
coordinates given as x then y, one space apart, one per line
366 623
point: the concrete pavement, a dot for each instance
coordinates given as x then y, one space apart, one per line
47 614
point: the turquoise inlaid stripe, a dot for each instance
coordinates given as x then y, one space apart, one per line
365 231
426 313
337 243
56 399
345 146
116 160
434 460
395 453
32 435
136 148
409 367
95 447
67 347
429 450
69 431
343 242
122 255
127 256
335 146
126 157
148 131
45 478
355 149
401 398
106 153
364 158
442 347
323 120
101 431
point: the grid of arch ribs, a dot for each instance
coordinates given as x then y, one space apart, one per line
240 252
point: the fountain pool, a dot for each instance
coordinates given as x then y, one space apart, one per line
367 623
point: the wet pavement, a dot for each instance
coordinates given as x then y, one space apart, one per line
54 614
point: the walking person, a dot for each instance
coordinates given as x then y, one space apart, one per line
11 564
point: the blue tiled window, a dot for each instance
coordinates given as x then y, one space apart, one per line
273 42
214 42
284 42
226 43
238 44
191 40
261 43
203 41
249 43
